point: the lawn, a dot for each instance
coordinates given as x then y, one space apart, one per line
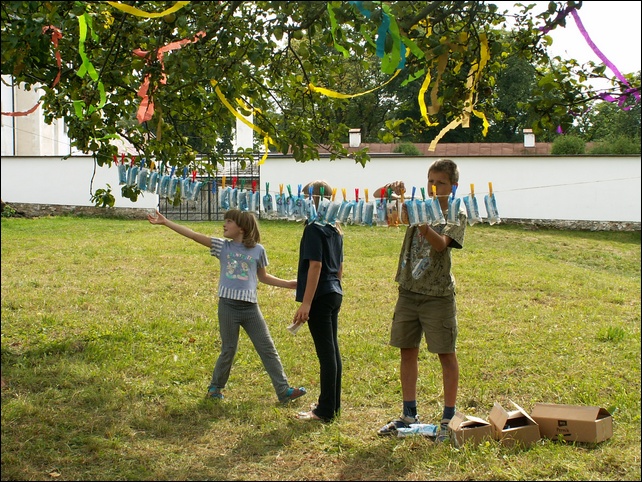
109 337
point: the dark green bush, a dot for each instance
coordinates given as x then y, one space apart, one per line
407 148
618 145
568 145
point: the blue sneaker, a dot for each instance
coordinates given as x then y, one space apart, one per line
292 394
215 394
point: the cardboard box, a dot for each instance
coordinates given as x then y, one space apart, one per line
573 423
465 428
514 427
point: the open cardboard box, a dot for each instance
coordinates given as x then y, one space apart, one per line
514 427
573 423
465 428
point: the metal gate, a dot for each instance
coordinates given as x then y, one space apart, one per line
206 206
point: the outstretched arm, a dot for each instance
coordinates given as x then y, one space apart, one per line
185 231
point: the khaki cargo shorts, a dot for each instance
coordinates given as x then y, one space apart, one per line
433 316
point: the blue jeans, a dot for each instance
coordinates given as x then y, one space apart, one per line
323 325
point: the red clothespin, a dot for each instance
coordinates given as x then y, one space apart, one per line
254 186
115 159
122 158
234 179
133 161
356 194
194 175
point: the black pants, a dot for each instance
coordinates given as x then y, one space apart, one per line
323 324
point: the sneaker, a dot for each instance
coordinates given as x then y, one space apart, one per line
292 394
401 422
444 432
214 394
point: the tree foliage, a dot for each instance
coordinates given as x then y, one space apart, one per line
202 62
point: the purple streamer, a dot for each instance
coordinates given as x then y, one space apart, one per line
602 57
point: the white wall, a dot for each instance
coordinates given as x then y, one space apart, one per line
550 188
67 182
567 188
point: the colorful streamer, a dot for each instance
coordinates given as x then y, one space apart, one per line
141 13
56 35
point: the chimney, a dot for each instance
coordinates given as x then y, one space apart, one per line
529 138
355 137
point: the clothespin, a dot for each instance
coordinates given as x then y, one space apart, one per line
412 197
234 181
223 183
454 190
115 159
253 185
142 162
322 192
366 192
289 190
472 190
194 175
242 183
311 191
184 172
490 189
173 171
152 165
356 194
122 158
434 191
423 193
280 189
299 187
389 194
403 191
334 193
343 191
133 163
267 188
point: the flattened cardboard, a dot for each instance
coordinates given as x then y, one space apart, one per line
573 423
466 428
514 427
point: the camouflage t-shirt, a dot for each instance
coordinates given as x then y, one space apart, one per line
422 269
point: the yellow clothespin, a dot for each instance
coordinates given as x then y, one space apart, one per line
490 189
366 192
280 189
343 191
223 183
434 191
472 190
334 193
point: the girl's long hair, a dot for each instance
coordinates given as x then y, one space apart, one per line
248 223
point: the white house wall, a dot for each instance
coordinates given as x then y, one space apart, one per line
581 188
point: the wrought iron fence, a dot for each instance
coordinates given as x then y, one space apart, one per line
206 206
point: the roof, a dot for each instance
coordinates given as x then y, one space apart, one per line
465 149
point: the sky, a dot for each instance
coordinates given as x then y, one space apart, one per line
614 28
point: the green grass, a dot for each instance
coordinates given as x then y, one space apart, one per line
109 337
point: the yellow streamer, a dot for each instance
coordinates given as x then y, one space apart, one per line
266 137
141 13
337 95
422 101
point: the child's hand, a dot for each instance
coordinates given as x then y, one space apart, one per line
157 219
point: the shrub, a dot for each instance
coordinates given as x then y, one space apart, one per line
617 145
568 145
407 148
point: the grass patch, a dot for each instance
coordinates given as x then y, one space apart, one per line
109 338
